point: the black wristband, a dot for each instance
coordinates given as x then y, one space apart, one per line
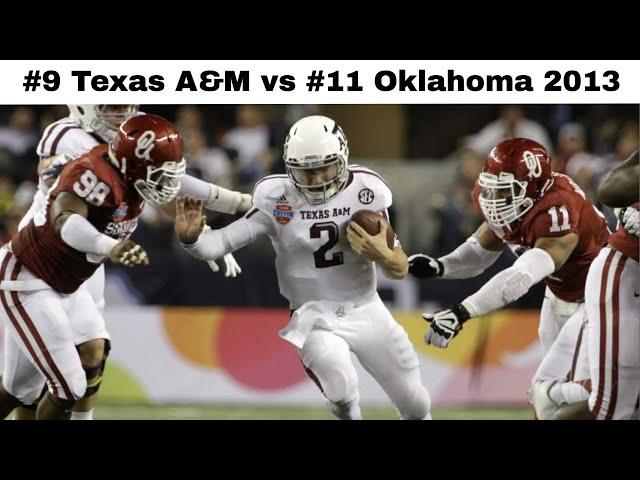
621 214
461 312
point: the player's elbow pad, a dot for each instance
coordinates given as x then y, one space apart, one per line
530 268
81 235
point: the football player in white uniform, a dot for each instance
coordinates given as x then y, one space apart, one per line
331 288
86 127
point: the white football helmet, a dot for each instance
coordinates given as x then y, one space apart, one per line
316 158
99 120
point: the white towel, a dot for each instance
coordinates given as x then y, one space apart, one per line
321 313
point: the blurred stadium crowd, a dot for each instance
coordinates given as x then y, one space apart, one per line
432 172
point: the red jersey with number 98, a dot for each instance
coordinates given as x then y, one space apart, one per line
563 209
113 210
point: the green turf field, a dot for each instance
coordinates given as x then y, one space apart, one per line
226 412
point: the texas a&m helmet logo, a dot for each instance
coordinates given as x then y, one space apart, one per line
283 213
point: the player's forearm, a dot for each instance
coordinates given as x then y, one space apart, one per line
511 284
77 232
468 260
213 244
395 265
215 197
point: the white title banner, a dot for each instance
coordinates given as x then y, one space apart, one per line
319 81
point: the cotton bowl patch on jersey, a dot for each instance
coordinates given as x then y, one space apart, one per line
283 213
120 213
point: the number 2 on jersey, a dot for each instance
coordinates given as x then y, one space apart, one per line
319 255
89 188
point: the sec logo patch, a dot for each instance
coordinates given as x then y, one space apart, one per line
365 196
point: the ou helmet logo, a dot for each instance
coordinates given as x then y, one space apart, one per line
145 145
532 162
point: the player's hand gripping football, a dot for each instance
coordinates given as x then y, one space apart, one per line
372 247
445 325
189 221
129 254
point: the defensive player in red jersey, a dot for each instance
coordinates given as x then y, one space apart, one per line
555 231
86 127
612 297
91 211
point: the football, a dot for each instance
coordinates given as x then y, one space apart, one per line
368 220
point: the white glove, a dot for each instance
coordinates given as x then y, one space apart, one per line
631 221
228 201
445 325
232 267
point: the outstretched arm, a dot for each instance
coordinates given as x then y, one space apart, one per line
470 259
206 244
215 197
548 255
69 218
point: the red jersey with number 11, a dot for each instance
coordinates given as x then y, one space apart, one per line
563 209
113 210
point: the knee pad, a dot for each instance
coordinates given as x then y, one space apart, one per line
94 373
94 378
418 406
402 349
339 387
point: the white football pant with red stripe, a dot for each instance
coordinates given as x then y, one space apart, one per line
562 332
613 311
40 334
